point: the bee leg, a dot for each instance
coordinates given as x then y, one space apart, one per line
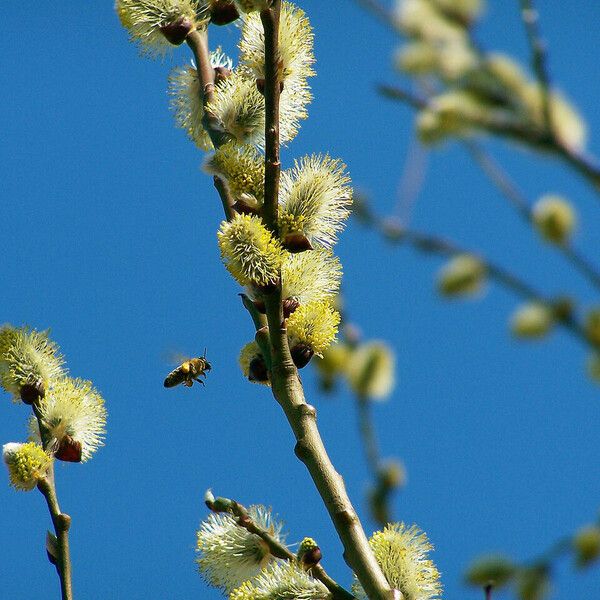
188 383
199 380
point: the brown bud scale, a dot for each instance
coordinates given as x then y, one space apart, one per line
176 32
223 12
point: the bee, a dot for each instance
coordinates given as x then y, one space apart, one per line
189 371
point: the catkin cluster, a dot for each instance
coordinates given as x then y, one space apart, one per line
293 255
476 91
68 417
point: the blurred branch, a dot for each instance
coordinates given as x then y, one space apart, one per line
396 93
380 11
532 576
395 233
517 198
531 18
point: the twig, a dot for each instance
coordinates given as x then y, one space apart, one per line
198 42
381 12
60 521
280 550
368 435
270 21
225 195
396 233
395 93
285 382
530 17
517 198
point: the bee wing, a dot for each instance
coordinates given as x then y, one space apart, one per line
175 357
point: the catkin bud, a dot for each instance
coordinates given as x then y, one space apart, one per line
496 570
592 326
533 320
463 275
27 464
301 355
532 583
586 544
223 12
252 364
371 370
554 218
392 474
593 367
249 251
309 553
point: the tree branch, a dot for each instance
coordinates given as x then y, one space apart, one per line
60 521
517 198
431 244
285 382
280 550
530 17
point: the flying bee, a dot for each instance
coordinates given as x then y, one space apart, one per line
188 371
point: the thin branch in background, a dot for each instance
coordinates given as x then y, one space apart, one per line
368 435
531 19
380 495
517 198
396 93
396 233
584 165
382 13
411 180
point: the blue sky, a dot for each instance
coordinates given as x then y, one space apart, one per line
109 239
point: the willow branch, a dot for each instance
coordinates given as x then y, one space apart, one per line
270 21
381 493
285 382
530 17
368 435
60 521
380 11
280 550
431 244
518 200
197 40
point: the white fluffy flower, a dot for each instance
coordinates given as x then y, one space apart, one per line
27 357
186 99
402 553
295 44
311 276
315 199
229 554
282 581
74 414
146 20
